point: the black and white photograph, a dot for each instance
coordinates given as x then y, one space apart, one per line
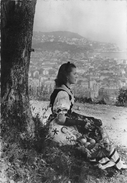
63 91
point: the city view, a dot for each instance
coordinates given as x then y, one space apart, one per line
101 67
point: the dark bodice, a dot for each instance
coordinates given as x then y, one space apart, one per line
53 96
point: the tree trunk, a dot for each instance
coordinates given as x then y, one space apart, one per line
16 41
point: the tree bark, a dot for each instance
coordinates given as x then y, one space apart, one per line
16 40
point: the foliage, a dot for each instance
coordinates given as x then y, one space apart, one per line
103 96
40 93
83 100
122 97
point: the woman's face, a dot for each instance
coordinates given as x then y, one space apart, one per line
72 77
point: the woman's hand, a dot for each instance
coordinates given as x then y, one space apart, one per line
97 122
61 118
89 125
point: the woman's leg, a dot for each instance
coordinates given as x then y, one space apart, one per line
110 156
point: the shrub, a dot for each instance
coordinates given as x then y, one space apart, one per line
83 100
122 97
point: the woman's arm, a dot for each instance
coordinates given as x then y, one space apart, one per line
97 122
62 119
61 106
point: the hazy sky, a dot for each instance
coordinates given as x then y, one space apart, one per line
101 20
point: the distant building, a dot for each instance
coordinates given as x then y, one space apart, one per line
45 72
36 74
33 82
80 71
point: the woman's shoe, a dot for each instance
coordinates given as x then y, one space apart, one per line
121 165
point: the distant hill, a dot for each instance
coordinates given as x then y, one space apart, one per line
63 47
67 41
66 34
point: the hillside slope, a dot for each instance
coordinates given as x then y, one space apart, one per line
73 41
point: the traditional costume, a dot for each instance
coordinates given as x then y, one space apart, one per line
76 126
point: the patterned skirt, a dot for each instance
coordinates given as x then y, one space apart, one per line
101 152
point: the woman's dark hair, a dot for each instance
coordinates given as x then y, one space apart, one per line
63 72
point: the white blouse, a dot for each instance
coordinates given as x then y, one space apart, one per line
62 101
60 133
